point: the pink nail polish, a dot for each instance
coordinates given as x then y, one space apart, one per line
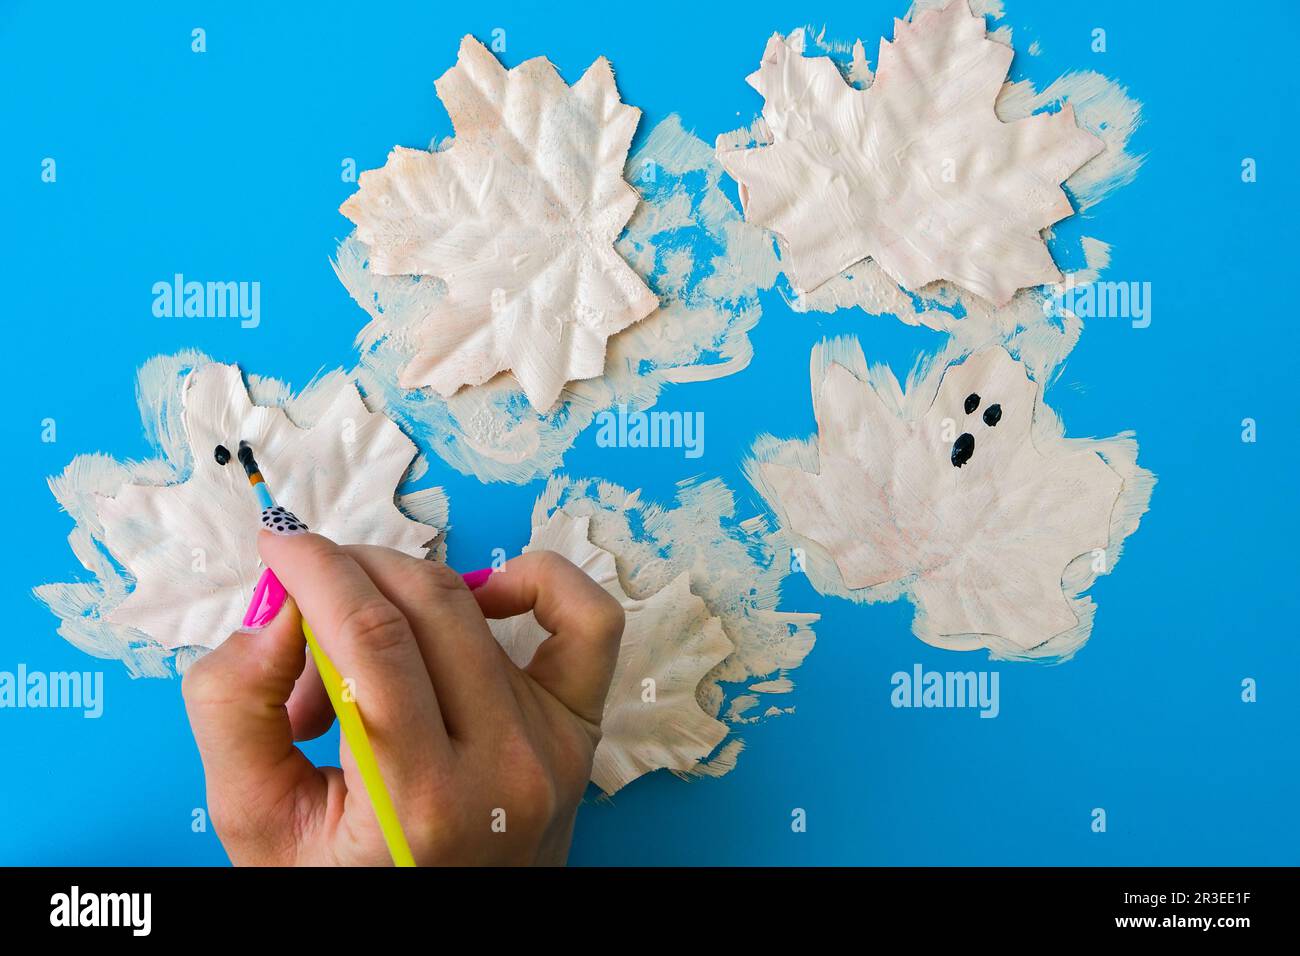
476 579
268 597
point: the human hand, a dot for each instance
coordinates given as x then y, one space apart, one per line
464 738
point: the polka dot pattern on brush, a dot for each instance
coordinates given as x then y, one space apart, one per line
279 520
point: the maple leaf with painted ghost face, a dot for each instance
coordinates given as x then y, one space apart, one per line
191 546
517 217
917 172
958 505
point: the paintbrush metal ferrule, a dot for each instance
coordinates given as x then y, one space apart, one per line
254 473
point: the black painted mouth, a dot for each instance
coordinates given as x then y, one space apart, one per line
962 449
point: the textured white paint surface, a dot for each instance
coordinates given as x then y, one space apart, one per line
192 546
517 217
670 638
918 172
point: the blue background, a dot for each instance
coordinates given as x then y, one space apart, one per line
226 165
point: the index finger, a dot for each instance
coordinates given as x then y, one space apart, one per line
371 645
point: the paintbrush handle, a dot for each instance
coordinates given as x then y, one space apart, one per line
358 741
354 733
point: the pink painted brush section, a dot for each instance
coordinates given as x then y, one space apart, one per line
268 597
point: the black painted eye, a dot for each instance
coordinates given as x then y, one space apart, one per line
972 402
992 415
222 454
962 449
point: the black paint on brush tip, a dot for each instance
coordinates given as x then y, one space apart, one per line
962 449
246 458
222 454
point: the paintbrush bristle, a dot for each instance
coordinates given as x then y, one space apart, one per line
247 460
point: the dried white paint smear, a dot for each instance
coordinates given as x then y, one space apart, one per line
733 565
685 239
960 492
652 718
172 541
917 172
517 218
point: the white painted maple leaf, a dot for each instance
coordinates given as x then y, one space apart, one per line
192 546
670 638
917 172
954 502
518 217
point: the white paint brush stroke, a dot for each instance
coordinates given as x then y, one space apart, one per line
517 217
685 239
733 565
172 541
917 172
994 554
669 637
1034 325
